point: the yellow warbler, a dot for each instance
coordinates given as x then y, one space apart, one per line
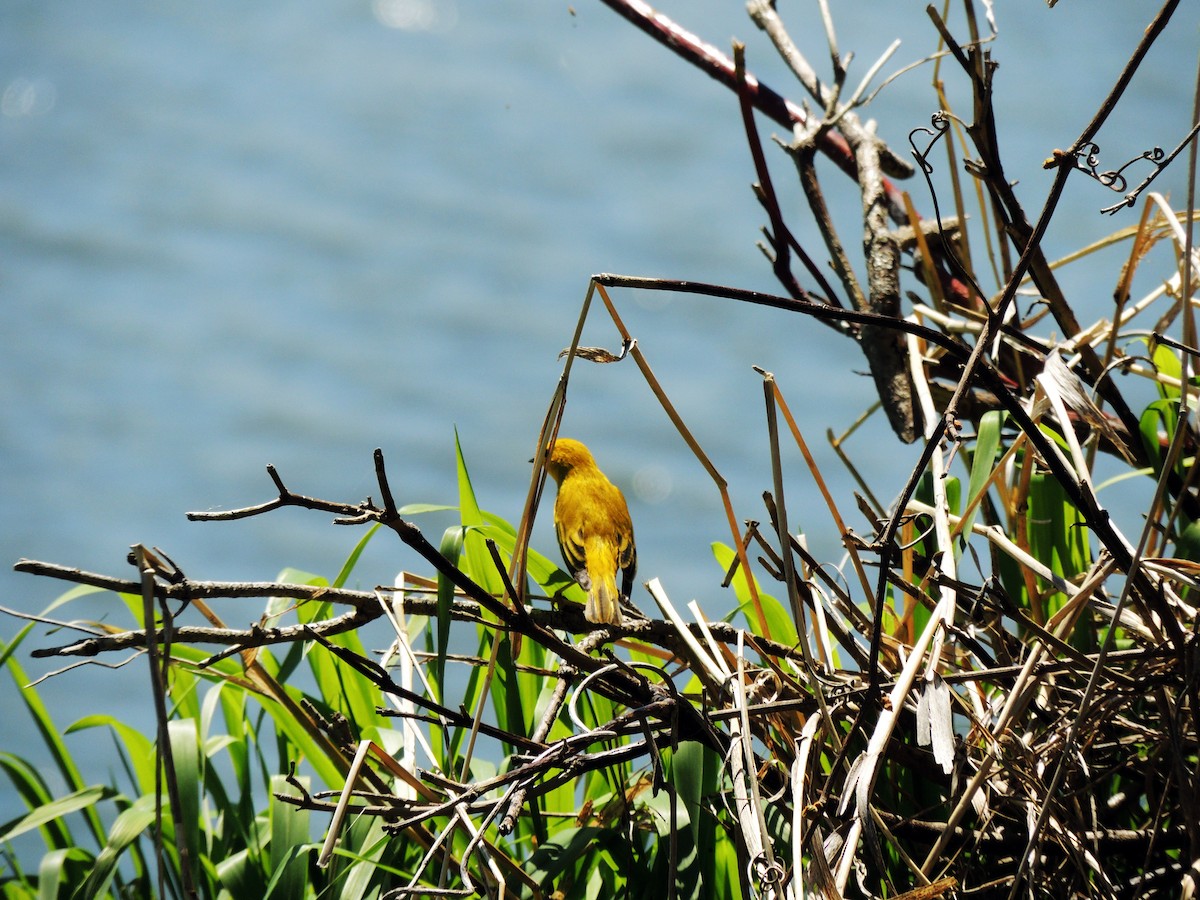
595 533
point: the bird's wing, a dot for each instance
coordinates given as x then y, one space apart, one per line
626 560
626 551
570 543
627 581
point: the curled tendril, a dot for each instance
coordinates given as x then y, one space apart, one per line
1087 159
771 875
940 121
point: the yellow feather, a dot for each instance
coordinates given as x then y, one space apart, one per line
595 533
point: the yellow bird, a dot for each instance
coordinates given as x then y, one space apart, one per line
595 533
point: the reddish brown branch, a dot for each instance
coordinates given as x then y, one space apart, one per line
720 67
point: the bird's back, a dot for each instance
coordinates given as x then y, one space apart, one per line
594 529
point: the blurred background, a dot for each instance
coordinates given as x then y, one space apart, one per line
293 232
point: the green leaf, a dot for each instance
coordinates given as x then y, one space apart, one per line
359 858
139 749
354 697
303 745
56 809
928 545
953 495
82 590
451 548
1161 416
1187 545
59 869
546 574
987 446
562 850
291 575
49 732
234 714
1167 363
189 777
126 829
33 790
1056 535
416 509
476 561
239 874
289 842
779 619
467 505
510 703
694 772
352 559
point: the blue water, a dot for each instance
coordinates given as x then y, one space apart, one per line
293 232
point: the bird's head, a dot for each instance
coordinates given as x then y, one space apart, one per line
564 456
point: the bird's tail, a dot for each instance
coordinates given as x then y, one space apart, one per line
604 600
603 606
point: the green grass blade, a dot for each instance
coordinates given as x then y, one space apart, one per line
289 843
357 870
60 870
241 875
352 559
547 575
779 620
54 810
451 548
127 828
987 446
46 728
138 749
468 507
356 698
189 777
1166 362
563 851
35 793
1160 416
